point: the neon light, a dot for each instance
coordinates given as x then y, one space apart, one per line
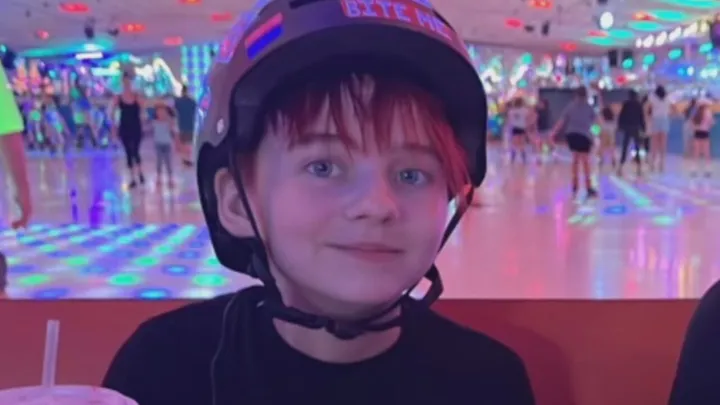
89 55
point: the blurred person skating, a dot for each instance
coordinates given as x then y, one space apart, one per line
129 129
576 122
543 130
12 151
14 163
3 275
703 122
631 123
660 111
689 128
518 121
186 109
608 131
164 135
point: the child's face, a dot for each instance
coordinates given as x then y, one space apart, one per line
353 226
162 113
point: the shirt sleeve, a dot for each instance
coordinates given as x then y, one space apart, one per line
10 119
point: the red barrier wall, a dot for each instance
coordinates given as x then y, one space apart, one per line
577 352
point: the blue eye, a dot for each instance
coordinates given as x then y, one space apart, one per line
413 177
322 168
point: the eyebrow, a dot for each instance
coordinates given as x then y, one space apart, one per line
310 138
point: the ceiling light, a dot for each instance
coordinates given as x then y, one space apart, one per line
74 8
132 28
642 16
173 41
569 47
543 4
606 20
221 17
514 23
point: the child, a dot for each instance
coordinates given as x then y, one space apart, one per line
329 178
3 276
607 136
164 134
703 122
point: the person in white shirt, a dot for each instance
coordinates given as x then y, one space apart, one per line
703 121
660 110
518 120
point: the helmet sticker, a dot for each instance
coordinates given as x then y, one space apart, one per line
264 35
228 46
230 42
418 13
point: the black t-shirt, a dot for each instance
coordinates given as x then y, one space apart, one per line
168 361
698 370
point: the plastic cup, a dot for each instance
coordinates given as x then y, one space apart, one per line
63 395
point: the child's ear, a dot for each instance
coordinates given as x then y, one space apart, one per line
230 208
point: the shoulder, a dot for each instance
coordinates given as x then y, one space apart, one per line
199 320
475 361
169 349
698 367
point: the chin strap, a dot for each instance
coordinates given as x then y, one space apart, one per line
344 330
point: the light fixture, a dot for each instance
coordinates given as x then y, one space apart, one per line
542 4
513 23
642 16
74 8
132 28
545 28
606 20
569 47
173 41
221 17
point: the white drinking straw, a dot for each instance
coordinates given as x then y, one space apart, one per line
52 335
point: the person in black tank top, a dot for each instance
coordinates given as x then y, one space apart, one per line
129 129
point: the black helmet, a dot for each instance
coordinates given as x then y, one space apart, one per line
280 38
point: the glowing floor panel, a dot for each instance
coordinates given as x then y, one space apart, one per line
655 237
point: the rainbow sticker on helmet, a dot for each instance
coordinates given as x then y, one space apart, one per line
229 44
413 12
425 3
264 35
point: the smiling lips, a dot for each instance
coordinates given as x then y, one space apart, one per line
369 251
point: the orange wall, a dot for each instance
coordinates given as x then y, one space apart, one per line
577 352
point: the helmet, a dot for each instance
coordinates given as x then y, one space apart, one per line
278 39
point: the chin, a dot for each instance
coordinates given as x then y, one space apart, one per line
363 295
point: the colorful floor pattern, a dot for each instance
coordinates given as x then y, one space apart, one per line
655 237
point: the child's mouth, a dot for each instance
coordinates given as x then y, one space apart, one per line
369 251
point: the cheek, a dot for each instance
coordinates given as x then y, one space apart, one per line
426 218
294 218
